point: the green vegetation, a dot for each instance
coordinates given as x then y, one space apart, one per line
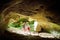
19 23
31 23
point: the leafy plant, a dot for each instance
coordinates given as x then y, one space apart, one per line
19 23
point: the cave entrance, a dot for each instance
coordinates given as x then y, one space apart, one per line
21 23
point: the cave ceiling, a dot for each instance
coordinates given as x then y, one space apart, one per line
48 8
